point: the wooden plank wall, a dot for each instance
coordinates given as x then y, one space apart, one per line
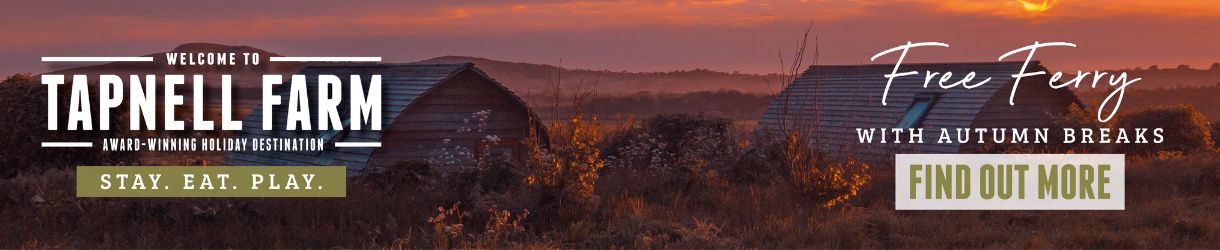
421 130
1037 106
831 101
401 86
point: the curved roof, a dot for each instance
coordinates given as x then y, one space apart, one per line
831 101
402 85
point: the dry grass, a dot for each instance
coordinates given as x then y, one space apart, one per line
1171 203
1165 209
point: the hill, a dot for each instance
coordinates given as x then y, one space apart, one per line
1181 76
527 78
534 80
1203 98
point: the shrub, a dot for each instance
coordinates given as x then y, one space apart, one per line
1075 118
1185 130
1193 175
402 175
1216 134
690 144
815 176
565 174
24 102
495 182
454 228
475 218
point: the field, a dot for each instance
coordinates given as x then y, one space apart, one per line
650 180
714 201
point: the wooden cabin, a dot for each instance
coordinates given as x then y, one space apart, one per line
830 101
430 112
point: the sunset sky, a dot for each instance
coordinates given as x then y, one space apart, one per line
729 35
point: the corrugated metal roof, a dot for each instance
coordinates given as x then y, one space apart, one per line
832 101
401 85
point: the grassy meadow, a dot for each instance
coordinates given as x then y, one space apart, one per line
657 181
617 184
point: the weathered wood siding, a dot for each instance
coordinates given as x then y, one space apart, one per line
832 101
445 113
438 97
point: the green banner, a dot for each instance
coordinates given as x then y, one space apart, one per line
211 181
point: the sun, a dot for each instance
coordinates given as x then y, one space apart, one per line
1036 7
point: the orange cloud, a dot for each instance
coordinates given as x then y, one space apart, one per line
1076 9
508 18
